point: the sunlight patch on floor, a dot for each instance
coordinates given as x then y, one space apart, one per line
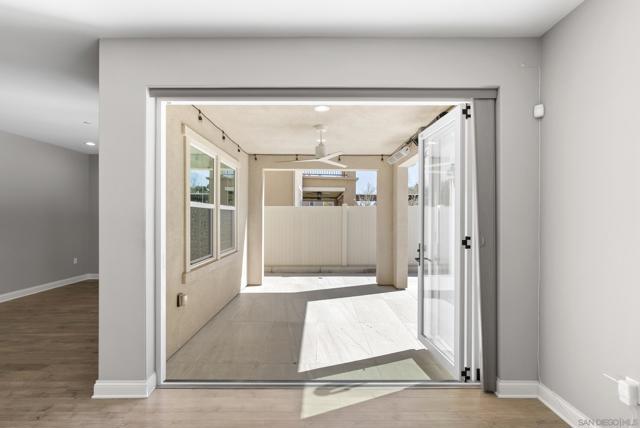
324 399
349 329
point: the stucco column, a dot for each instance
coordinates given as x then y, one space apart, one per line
400 228
255 217
384 224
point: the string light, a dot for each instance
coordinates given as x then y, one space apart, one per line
225 136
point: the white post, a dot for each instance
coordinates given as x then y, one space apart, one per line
345 233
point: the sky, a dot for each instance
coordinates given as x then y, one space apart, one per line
413 175
364 177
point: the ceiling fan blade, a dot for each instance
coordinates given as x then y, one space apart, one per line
305 160
298 161
330 155
330 162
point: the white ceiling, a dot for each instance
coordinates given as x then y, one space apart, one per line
350 129
49 49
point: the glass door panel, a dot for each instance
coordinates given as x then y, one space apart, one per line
441 268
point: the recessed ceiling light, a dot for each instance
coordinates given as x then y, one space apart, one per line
90 143
322 109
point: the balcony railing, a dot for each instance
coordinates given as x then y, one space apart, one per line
323 173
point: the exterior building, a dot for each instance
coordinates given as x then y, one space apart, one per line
316 187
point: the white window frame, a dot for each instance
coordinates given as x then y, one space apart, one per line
233 208
193 139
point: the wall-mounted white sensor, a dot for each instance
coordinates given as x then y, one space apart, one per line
538 111
628 391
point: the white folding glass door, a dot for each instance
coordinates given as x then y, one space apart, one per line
441 253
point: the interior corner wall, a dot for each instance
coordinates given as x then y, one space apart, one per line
46 214
279 188
591 205
210 287
128 67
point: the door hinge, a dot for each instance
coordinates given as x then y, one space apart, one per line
465 374
466 111
466 242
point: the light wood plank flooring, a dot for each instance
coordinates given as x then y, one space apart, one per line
48 364
311 328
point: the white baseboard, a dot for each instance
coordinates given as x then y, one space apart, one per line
534 389
48 286
124 388
517 388
561 407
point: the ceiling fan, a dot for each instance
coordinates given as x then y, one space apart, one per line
320 155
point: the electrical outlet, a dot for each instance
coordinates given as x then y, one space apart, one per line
75 260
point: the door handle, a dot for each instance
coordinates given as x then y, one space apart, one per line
417 259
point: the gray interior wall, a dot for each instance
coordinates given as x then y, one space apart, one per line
129 67
591 205
45 214
93 213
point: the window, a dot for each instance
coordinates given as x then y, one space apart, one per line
211 204
201 205
227 208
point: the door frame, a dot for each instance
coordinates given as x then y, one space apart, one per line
158 97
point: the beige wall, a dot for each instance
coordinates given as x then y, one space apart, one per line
211 286
384 218
279 188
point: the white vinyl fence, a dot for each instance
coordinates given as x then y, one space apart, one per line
413 227
320 236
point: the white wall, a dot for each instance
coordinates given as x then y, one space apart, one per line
320 236
129 67
47 217
591 205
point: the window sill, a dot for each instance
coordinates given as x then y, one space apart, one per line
213 264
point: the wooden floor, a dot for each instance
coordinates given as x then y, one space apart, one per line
48 364
311 328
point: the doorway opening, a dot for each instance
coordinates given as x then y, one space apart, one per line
297 249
